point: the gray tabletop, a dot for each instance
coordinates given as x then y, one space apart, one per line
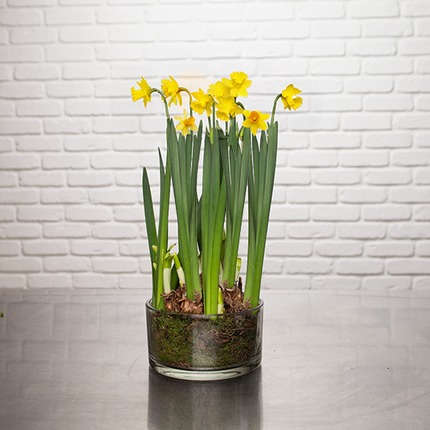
74 360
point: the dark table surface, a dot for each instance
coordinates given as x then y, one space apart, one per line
74 360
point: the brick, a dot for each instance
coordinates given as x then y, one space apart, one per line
271 31
69 53
20 265
412 121
115 265
6 109
421 283
44 247
85 71
19 162
5 73
34 35
393 139
52 162
308 158
335 140
66 126
411 158
365 231
362 195
422 27
114 161
335 213
22 231
397 28
18 196
359 122
423 103
20 17
320 48
292 177
31 3
273 265
177 13
335 66
114 196
88 213
388 177
135 248
116 52
422 213
9 249
310 230
360 266
69 15
390 249
87 143
314 123
219 31
115 231
69 89
387 66
308 266
82 247
12 281
138 143
89 179
21 91
423 249
386 283
269 11
417 266
55 196
290 248
413 84
277 67
311 195
368 48
410 195
337 29
361 158
49 281
39 108
416 9
336 177
38 144
339 249
40 214
335 283
286 282
388 103
94 281
39 72
320 10
423 65
116 15
66 231
422 140
67 264
81 2
115 125
422 176
337 104
199 32
83 34
8 180
410 231
129 214
369 85
4 37
79 107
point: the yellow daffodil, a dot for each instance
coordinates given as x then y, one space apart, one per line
202 103
237 84
144 93
227 108
289 98
186 123
219 90
171 89
255 120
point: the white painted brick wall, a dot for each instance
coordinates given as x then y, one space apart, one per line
352 198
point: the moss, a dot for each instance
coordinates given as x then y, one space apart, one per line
184 341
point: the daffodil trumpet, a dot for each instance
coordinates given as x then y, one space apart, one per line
238 161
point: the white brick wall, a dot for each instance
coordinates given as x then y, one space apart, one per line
352 199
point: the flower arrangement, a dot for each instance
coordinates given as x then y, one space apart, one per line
239 156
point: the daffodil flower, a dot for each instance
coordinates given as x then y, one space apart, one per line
227 108
289 98
255 120
219 90
186 123
237 84
202 103
144 93
171 89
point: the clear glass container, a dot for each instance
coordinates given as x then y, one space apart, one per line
204 347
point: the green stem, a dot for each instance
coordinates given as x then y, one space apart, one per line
272 117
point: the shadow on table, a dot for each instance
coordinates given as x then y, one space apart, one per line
229 404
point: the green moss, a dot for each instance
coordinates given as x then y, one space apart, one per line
187 342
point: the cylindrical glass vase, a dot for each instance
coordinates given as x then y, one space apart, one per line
204 347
